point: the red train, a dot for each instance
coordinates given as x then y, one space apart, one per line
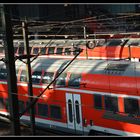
90 96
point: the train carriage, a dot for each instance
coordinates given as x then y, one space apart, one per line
90 96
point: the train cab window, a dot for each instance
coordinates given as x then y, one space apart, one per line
43 50
114 42
21 50
47 77
43 110
59 51
111 103
74 80
36 77
97 101
35 50
1 103
23 76
21 106
131 106
67 51
51 50
3 74
55 112
61 80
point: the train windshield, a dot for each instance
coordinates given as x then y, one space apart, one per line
114 42
133 42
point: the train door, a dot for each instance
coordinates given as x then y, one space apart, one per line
74 112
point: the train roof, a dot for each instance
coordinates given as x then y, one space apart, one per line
110 67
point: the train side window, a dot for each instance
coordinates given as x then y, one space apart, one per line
51 50
61 80
35 50
59 50
97 101
1 103
55 112
47 77
23 76
111 103
43 110
67 51
3 74
43 50
21 106
74 80
131 106
36 77
27 104
21 50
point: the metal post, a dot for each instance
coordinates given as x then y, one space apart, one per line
85 38
29 78
10 66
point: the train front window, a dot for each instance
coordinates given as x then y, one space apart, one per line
61 80
47 77
3 74
74 80
111 103
131 106
36 77
114 42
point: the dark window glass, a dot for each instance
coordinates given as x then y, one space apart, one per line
21 50
61 80
1 103
43 110
55 112
3 74
98 101
15 49
74 80
70 110
77 112
21 106
2 50
111 103
36 77
67 51
131 106
7 105
47 77
76 51
117 67
114 42
59 50
35 50
43 50
23 76
28 111
51 50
